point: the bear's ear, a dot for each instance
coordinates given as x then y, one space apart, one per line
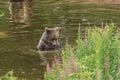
57 29
47 30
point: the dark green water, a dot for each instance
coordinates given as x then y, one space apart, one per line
20 30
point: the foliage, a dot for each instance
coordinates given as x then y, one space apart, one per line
8 76
100 52
66 71
97 57
2 14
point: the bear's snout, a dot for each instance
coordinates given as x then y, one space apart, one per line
56 46
55 43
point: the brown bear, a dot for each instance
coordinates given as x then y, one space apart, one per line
49 39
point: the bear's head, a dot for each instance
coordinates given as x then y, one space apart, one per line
52 35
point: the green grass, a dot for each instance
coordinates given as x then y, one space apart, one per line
97 57
100 52
8 76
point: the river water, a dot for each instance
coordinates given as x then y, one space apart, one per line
23 23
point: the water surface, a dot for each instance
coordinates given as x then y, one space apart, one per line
22 26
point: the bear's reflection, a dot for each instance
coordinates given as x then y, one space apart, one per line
51 57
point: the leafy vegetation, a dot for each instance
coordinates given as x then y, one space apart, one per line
97 57
2 14
8 76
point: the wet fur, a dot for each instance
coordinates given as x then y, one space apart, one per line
49 39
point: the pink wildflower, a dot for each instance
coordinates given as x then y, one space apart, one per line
68 71
49 69
106 64
61 77
98 72
73 64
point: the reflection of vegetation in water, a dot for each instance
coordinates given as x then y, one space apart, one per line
4 34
